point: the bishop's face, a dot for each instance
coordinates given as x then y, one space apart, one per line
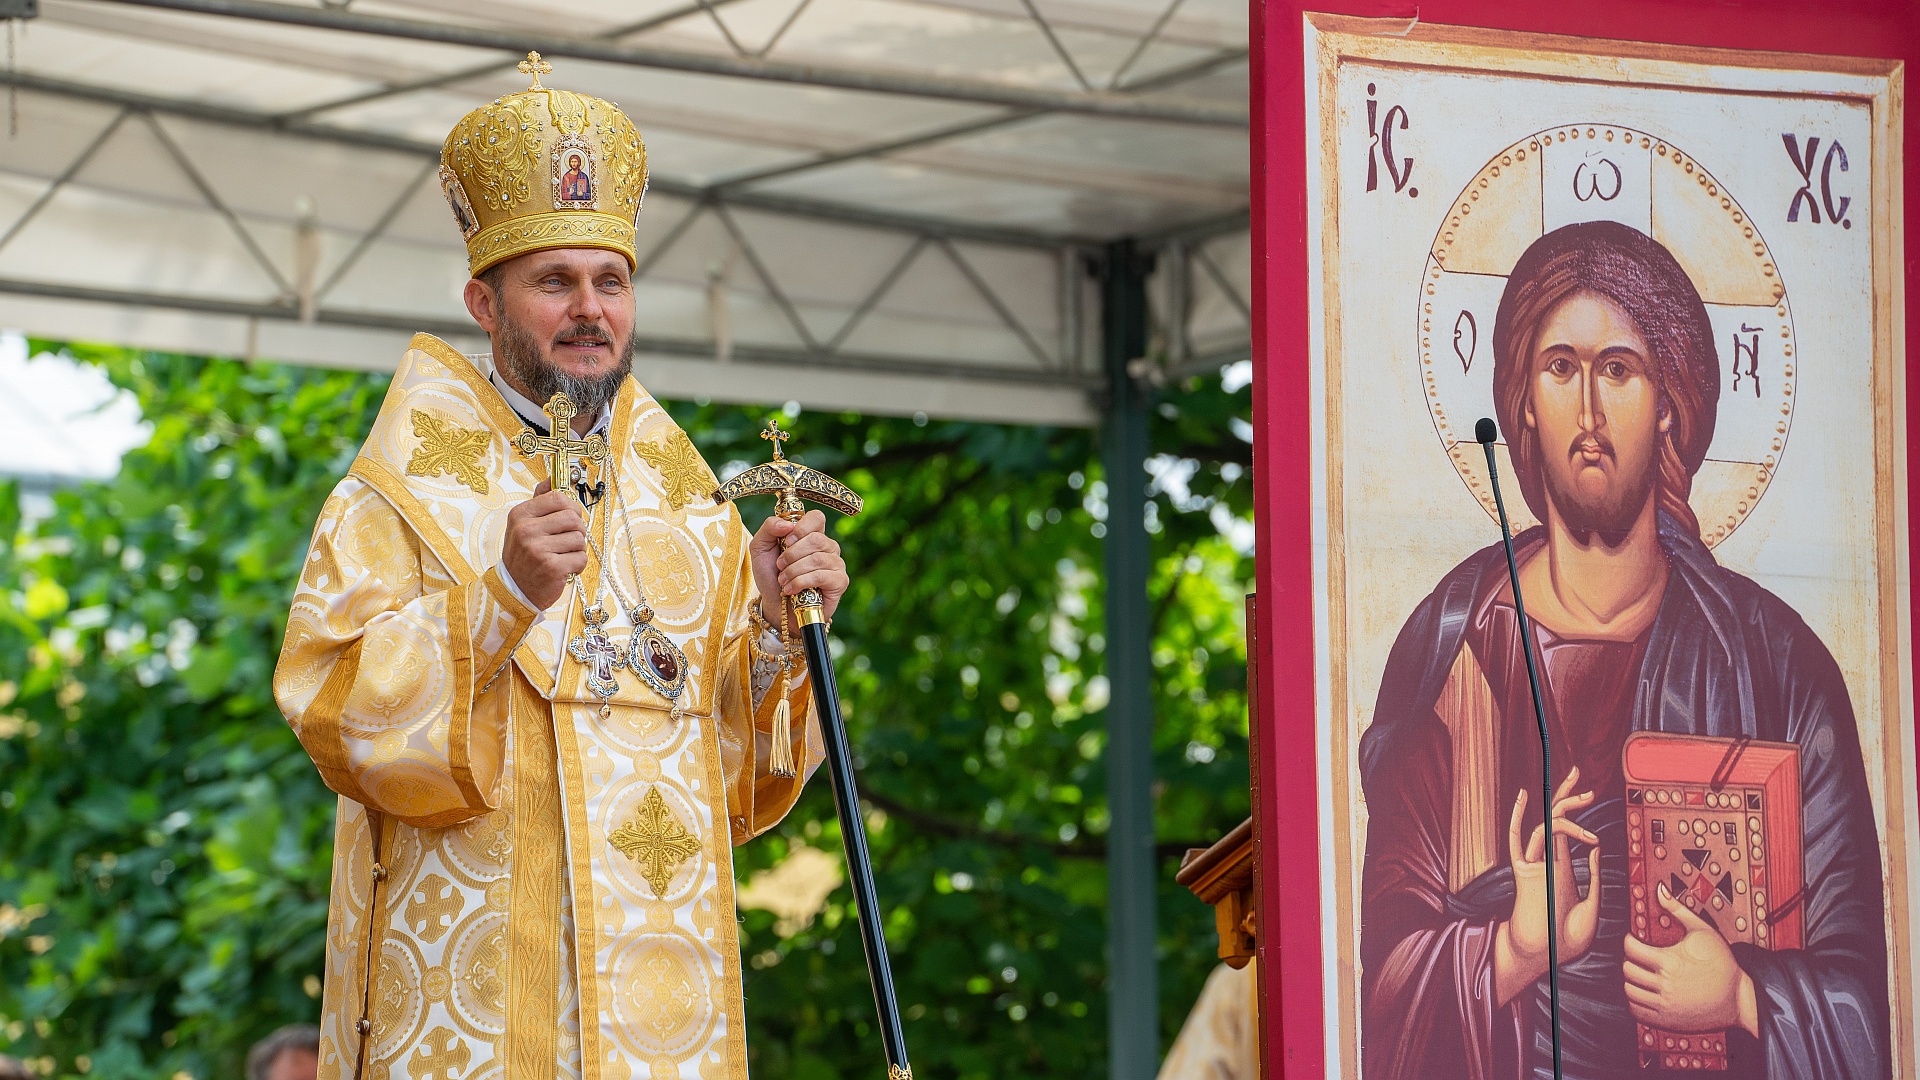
1595 409
561 322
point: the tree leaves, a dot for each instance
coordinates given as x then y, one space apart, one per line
152 798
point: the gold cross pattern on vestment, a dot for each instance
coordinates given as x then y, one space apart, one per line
443 1056
535 67
433 907
562 447
790 482
655 840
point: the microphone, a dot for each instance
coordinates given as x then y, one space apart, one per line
1485 432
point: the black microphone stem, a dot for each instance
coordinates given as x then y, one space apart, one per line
1546 765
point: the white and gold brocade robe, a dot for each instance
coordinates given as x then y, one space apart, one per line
521 888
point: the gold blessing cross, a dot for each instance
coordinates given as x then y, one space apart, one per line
561 444
790 482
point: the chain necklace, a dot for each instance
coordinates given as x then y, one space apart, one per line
648 652
651 653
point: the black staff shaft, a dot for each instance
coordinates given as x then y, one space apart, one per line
1546 764
853 832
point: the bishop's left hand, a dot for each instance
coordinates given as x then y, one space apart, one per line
789 556
1695 984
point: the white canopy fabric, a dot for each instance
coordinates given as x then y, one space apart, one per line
883 205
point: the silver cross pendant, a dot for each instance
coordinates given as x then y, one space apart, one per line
598 654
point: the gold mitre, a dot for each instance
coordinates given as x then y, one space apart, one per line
543 168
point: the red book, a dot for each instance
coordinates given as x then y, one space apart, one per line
1718 822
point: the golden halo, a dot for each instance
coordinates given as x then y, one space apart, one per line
1594 172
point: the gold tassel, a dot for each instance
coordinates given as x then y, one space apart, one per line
781 764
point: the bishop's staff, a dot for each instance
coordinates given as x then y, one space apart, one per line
790 482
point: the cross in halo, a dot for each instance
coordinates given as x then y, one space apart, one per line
774 435
535 67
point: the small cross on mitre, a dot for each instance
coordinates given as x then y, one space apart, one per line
535 67
774 435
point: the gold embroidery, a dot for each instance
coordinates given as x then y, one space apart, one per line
323 570
561 228
390 1003
664 1005
656 840
433 907
444 1057
714 914
664 989
420 521
568 109
498 145
447 449
628 170
682 473
320 732
531 1013
488 975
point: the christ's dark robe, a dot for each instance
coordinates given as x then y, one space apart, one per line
1724 657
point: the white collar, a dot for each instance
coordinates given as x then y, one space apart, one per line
526 409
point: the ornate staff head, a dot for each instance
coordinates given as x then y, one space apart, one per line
792 485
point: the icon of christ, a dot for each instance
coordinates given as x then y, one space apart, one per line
1606 385
575 184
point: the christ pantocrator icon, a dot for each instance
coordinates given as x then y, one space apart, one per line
1607 384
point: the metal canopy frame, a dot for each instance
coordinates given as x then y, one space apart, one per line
1063 363
742 65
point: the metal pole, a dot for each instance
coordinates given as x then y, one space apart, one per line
853 834
1132 934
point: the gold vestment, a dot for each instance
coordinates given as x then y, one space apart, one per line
537 891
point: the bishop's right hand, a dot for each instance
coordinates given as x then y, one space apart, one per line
546 543
1520 946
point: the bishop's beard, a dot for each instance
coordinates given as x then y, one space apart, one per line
1611 513
520 357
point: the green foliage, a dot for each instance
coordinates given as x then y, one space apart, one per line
165 845
164 842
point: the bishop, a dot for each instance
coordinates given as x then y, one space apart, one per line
548 719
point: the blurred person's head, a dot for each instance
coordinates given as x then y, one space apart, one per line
291 1053
13 1069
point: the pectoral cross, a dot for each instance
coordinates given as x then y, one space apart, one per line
535 67
598 654
561 444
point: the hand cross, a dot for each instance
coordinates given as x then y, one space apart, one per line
561 444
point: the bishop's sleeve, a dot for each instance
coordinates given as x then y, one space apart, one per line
747 700
387 670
